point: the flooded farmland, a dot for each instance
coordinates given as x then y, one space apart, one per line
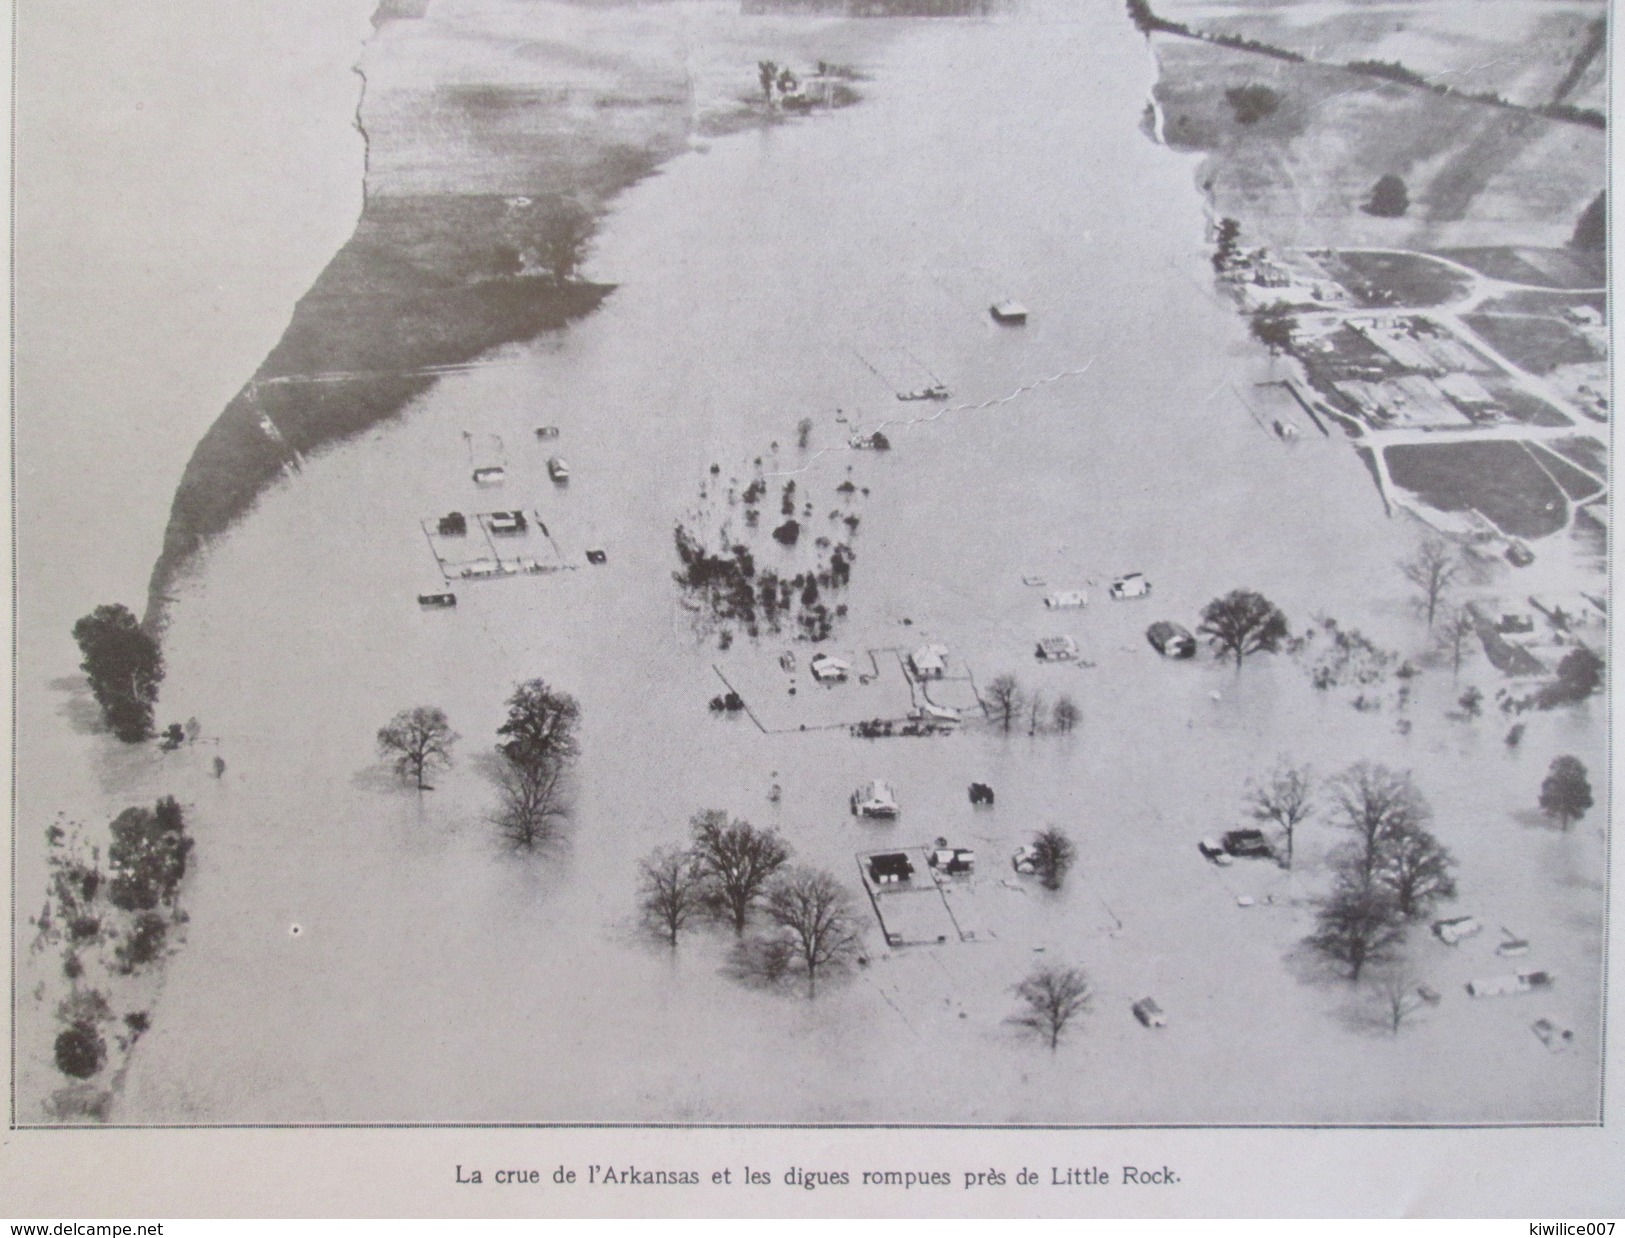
359 952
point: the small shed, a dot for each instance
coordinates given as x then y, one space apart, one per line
1010 313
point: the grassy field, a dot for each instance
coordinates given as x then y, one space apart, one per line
1476 174
1465 46
1537 344
1541 267
1498 479
1376 278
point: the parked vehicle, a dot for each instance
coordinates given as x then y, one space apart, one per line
1171 640
1452 931
1149 1013
547 432
437 599
1248 844
1508 986
1214 850
1551 1035
1131 585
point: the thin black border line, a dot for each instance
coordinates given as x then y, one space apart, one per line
1600 1120
11 404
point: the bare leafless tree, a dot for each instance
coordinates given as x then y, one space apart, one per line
1374 802
1357 926
673 890
738 860
1397 994
1415 869
1285 799
529 805
1455 640
1003 700
418 739
1053 996
816 912
1433 568
1035 713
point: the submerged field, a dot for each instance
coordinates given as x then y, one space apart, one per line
359 951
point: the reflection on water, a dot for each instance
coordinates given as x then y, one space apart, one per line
433 976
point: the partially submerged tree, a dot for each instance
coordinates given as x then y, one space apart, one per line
539 745
418 739
673 890
1053 996
1357 927
541 725
1579 675
530 805
1052 855
1273 326
125 667
1398 994
1432 568
1065 716
1284 799
1565 795
1242 623
1456 632
1225 244
1415 869
816 913
1375 803
738 860
565 231
147 857
1003 699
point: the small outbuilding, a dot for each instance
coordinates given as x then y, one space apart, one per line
827 669
1067 599
875 798
890 868
1009 313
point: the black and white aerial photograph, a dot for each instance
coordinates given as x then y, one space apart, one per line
812 563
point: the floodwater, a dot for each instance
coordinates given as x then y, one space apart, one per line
434 976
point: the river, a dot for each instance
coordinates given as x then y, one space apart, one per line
357 952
